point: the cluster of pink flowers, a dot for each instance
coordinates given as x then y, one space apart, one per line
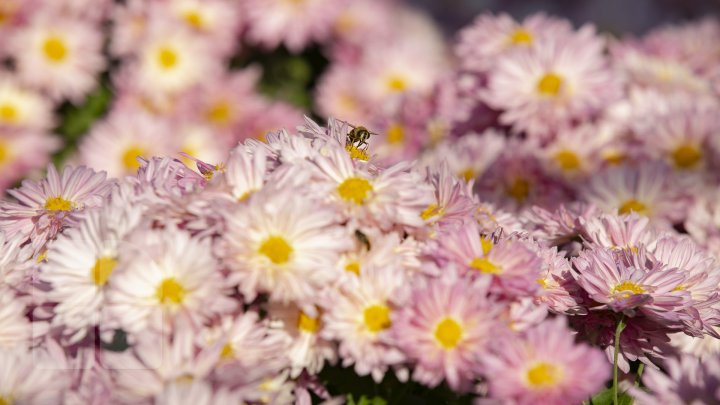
528 201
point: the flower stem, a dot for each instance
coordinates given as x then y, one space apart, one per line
639 374
618 330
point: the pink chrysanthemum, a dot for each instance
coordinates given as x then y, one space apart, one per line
44 207
625 232
444 327
685 380
544 365
547 87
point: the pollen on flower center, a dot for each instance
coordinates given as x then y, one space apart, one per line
448 333
55 49
308 324
194 19
468 174
397 83
395 134
3 399
170 291
356 153
484 265
519 189
355 189
58 204
4 151
220 113
628 288
432 210
8 112
227 352
129 157
377 317
550 84
102 270
167 58
633 205
567 159
277 249
686 156
353 267
486 244
521 36
544 375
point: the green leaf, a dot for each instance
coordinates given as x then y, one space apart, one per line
365 400
605 397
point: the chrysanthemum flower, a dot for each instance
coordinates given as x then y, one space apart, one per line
285 244
454 203
544 365
560 226
490 35
216 20
626 288
574 154
294 24
16 331
546 87
559 289
44 207
624 232
649 190
31 377
23 108
443 328
469 156
79 264
163 274
685 380
60 56
115 143
23 152
703 221
397 195
359 315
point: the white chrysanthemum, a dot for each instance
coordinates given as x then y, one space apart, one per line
79 265
284 244
21 107
31 377
397 195
307 351
162 274
115 144
359 314
172 61
60 56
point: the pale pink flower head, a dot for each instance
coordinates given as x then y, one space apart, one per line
544 365
560 226
454 203
703 221
685 380
23 152
60 56
490 36
294 24
43 208
560 292
623 232
649 190
444 328
545 88
687 43
629 288
218 21
469 156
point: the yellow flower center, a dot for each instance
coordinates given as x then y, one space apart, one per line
129 157
395 134
227 352
686 157
220 113
519 189
567 160
486 244
8 113
167 57
58 204
356 153
55 49
468 174
633 205
397 83
543 375
353 267
377 318
521 36
432 210
543 283
246 195
550 84
308 324
448 333
627 288
3 399
194 19
4 151
613 157
484 265
355 190
276 249
102 270
170 291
